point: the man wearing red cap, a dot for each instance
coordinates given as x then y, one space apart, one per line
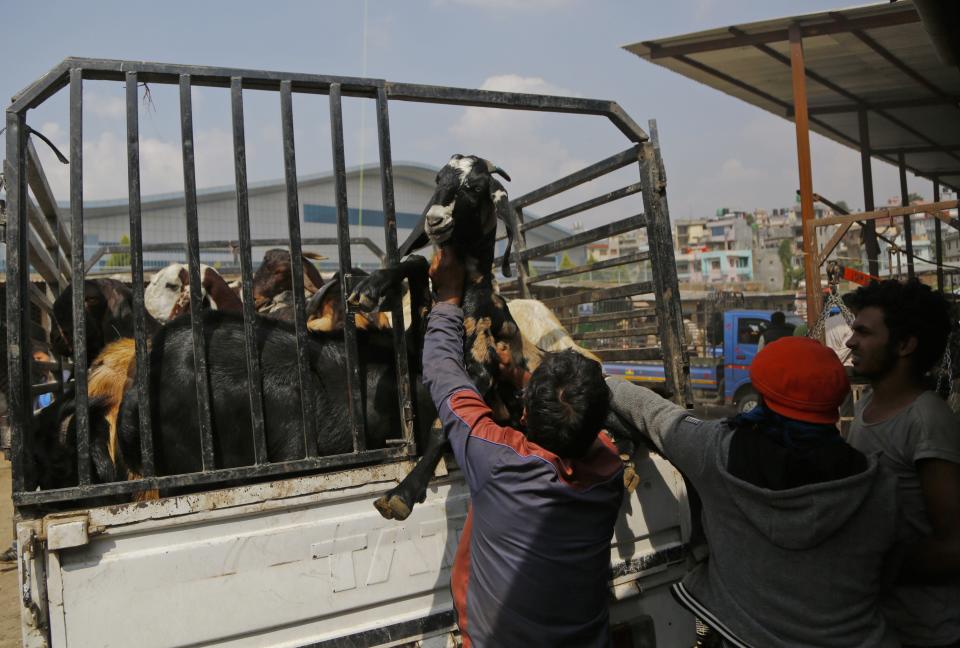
899 335
797 521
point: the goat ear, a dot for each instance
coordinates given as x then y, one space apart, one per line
312 279
119 307
501 206
416 240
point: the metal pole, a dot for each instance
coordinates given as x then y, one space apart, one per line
870 227
938 238
811 270
904 201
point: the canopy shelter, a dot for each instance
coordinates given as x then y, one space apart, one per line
882 79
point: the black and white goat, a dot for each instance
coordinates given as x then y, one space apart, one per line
462 213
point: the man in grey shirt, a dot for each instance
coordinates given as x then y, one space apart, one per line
798 522
899 335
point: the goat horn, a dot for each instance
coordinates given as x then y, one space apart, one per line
493 168
315 256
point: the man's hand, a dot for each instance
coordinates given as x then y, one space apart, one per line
446 273
508 371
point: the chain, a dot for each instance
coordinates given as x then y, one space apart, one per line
832 300
946 368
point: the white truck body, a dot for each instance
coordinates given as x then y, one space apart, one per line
308 562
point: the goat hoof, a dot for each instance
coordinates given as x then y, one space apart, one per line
392 507
630 478
383 505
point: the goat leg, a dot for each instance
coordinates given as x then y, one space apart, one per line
398 502
382 290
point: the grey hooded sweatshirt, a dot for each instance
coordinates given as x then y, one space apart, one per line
794 567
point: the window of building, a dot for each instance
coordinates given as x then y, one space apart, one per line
373 217
716 231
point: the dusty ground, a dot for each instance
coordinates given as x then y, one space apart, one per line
9 612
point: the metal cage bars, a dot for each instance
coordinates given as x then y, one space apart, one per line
72 72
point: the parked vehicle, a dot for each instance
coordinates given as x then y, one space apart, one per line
724 377
297 555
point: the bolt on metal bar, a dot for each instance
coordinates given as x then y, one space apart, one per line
80 360
390 243
18 272
193 262
296 270
343 234
136 271
254 379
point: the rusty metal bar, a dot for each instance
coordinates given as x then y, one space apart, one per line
907 227
193 255
866 166
343 233
18 272
254 379
811 270
80 360
392 258
136 271
307 397
938 234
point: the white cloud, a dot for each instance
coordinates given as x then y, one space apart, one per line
161 163
110 107
518 141
733 170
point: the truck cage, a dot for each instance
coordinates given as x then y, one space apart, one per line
38 236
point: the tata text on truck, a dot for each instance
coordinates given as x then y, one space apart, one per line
282 560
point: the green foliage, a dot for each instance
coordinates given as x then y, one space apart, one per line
791 275
566 262
914 197
842 204
120 259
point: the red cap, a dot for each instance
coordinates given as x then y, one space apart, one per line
801 379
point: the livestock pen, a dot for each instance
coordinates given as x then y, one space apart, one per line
43 241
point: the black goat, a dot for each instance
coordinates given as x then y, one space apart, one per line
462 213
173 389
108 313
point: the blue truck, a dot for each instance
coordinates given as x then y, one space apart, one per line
723 377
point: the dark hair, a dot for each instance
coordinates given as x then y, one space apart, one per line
567 403
778 318
910 309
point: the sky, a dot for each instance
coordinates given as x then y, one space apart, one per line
718 151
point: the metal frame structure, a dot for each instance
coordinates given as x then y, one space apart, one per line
873 72
37 237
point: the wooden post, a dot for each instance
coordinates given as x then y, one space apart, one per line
811 269
870 229
905 201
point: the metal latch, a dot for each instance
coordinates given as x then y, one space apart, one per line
65 532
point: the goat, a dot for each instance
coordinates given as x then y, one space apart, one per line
275 275
168 294
108 313
462 213
173 388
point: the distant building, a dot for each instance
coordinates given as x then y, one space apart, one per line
163 217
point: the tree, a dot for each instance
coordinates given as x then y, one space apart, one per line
565 262
120 259
791 275
913 198
842 205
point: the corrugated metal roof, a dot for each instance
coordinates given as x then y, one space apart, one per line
878 59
